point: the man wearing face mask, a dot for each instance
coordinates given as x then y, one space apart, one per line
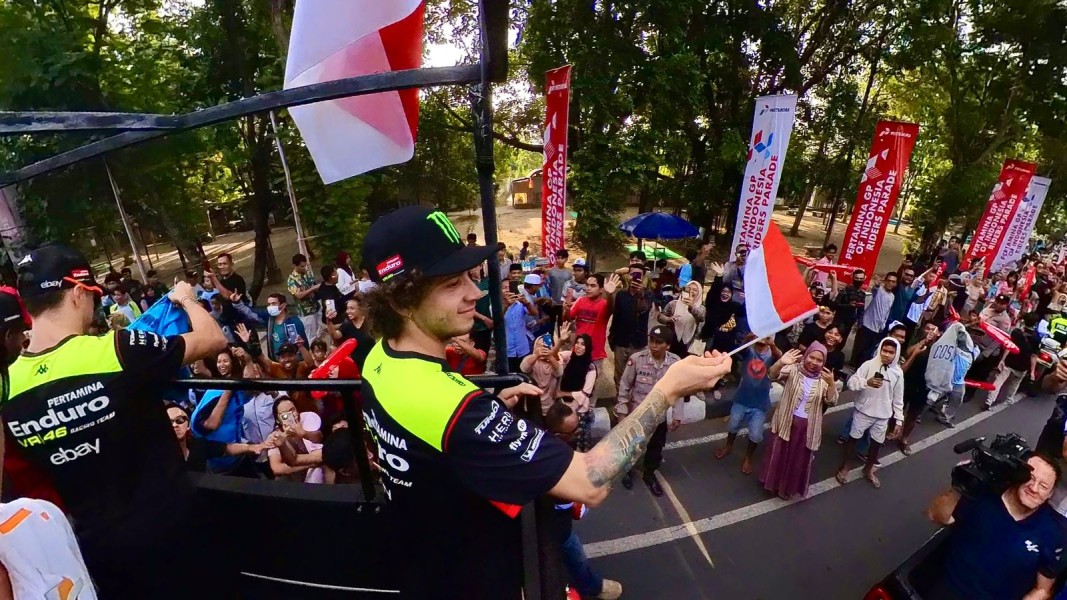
81 406
850 301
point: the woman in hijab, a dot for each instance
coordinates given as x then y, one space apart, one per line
796 428
577 383
721 315
685 315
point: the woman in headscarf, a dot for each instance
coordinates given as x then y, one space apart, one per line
577 384
796 428
721 315
685 315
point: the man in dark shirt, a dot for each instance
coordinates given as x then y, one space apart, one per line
629 324
850 301
814 331
1014 368
227 281
1007 545
457 465
331 300
87 412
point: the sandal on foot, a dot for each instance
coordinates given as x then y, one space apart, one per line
877 483
842 477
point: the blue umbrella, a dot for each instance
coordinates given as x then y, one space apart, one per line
659 225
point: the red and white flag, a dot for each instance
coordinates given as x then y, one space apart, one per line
1007 194
337 39
775 293
842 272
554 169
1000 336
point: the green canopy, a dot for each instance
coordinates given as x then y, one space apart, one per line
656 253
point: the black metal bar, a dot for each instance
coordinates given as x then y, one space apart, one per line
329 385
309 94
20 123
481 107
356 427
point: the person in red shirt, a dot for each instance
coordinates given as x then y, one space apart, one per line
591 312
463 357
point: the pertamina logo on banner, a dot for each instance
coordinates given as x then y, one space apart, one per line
554 169
1017 239
772 125
1007 194
878 192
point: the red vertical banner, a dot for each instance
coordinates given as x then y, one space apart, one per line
554 169
1007 194
878 192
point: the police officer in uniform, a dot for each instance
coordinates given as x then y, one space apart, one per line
643 371
457 464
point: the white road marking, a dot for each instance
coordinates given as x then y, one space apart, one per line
693 533
707 439
322 586
677 532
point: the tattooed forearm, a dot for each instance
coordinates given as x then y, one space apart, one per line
620 449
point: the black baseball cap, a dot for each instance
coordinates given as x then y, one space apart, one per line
11 308
661 333
417 237
1003 299
54 267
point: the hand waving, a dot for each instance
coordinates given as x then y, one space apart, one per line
612 283
716 268
243 332
791 357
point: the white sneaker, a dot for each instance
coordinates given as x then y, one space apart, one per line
611 590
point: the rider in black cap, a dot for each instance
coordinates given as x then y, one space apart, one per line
456 463
87 412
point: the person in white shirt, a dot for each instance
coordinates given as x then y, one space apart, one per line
880 383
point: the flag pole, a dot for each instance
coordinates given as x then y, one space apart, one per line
300 240
125 222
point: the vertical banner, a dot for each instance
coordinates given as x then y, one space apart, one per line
554 169
1007 194
772 124
877 195
1017 239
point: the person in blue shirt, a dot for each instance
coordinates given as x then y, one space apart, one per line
1004 546
685 272
518 309
753 398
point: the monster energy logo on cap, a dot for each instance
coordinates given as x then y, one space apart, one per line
441 220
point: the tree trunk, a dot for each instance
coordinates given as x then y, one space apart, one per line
805 199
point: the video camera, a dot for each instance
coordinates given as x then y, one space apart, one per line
993 468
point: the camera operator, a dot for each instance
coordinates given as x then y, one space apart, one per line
1004 546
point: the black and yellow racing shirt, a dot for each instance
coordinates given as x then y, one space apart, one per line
456 465
87 414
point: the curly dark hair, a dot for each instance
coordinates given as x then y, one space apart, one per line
385 302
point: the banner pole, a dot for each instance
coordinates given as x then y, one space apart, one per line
125 222
301 241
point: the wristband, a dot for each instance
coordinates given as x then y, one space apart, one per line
181 301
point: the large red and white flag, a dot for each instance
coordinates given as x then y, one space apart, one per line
775 293
337 39
554 169
1017 239
877 194
999 212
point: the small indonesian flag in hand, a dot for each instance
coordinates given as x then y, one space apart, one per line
776 296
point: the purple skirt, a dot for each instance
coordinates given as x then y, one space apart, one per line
787 465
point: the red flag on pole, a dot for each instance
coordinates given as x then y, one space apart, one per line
554 169
877 195
1014 178
1001 337
774 302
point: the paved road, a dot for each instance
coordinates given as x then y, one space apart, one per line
833 545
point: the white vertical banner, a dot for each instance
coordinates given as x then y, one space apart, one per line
772 124
1017 238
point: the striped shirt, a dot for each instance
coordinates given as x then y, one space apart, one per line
877 312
